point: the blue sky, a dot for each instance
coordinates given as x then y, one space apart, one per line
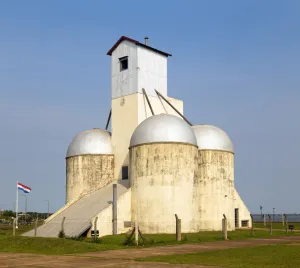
235 65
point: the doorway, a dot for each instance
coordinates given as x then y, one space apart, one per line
236 217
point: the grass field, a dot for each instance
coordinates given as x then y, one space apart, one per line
57 246
275 256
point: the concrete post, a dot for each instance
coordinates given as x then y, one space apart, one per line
270 221
95 229
282 220
115 212
35 226
224 227
178 228
286 223
62 224
252 228
14 226
265 220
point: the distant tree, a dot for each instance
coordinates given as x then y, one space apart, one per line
8 213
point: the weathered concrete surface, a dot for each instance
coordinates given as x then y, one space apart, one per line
162 185
88 173
215 183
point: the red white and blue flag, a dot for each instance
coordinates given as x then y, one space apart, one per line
23 188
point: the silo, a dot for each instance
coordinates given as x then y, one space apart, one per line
163 159
215 177
89 163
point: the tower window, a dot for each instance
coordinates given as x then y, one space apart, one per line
125 173
123 63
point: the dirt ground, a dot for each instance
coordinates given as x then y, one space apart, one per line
124 258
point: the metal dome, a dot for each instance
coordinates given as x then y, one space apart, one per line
212 138
163 128
93 141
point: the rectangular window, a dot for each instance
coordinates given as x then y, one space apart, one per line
245 223
123 63
125 173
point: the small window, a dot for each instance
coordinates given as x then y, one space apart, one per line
123 63
125 173
245 223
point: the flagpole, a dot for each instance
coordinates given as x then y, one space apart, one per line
17 201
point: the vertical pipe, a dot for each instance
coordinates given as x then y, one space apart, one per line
25 208
115 212
17 206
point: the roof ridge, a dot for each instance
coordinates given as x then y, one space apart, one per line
125 38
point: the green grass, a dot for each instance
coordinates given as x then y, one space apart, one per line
8 243
169 239
7 230
51 246
273 256
277 225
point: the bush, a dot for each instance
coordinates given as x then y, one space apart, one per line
61 234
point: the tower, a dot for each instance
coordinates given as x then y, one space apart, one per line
135 66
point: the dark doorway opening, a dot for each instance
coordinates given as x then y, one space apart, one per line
236 217
125 173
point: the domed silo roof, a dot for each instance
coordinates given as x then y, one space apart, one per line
163 128
212 138
93 141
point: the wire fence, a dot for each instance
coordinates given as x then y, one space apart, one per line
259 218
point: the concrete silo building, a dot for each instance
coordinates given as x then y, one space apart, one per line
89 163
163 154
215 177
160 163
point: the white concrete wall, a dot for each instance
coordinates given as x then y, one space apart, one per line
215 189
161 177
244 213
124 83
152 72
87 173
124 120
104 222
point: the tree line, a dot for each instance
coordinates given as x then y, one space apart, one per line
7 215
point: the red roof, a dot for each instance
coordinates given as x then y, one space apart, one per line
123 38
